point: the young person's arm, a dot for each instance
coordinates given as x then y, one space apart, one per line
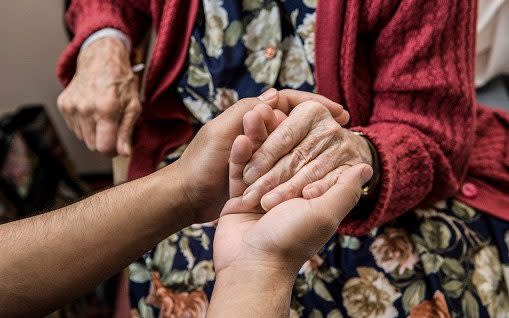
52 258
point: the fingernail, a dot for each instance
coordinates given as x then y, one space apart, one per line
366 174
270 200
268 95
250 175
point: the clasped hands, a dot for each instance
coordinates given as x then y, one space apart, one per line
294 173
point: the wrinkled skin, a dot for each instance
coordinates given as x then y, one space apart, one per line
288 234
204 164
101 103
305 156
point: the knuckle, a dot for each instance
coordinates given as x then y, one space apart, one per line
267 183
261 160
63 104
292 189
313 172
331 131
245 102
335 128
61 101
85 109
286 135
314 107
108 108
298 157
136 107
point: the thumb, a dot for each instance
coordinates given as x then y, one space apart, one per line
239 155
340 199
131 114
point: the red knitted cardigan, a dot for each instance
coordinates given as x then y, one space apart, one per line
403 68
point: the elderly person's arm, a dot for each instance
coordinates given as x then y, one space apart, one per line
101 101
422 121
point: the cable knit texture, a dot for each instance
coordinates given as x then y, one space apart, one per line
404 70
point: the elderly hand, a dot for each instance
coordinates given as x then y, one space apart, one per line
305 156
204 163
288 234
101 103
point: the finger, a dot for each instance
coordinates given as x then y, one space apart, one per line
286 136
87 125
70 116
319 187
307 224
290 165
269 96
344 195
269 117
254 128
126 127
77 128
287 99
68 122
72 126
65 107
311 172
280 117
343 119
229 124
106 135
240 154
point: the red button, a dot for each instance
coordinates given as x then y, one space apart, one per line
469 190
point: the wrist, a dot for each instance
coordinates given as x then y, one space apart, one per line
104 49
171 186
370 189
253 290
261 269
363 148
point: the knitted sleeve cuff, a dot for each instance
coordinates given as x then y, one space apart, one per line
107 33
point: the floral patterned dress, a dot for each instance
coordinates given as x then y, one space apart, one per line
445 261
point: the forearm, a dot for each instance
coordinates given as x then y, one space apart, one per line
252 292
51 258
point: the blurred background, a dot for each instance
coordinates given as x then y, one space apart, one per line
42 165
32 34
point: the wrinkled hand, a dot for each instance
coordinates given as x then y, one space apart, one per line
204 164
101 103
288 234
305 156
